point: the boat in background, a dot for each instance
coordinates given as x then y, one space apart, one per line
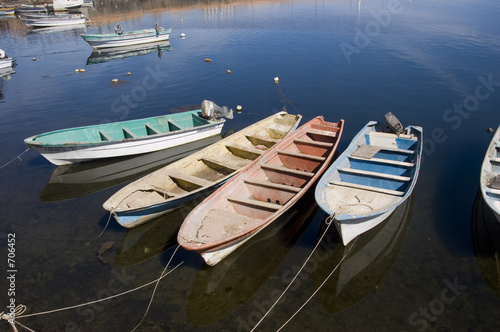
5 60
46 21
125 138
373 176
197 174
490 175
127 38
265 189
5 11
108 54
61 5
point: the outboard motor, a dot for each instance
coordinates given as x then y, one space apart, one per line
393 123
210 110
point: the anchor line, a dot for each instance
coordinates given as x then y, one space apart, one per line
328 222
18 157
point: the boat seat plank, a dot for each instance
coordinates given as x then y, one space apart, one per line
301 155
410 152
287 170
255 140
368 188
104 136
217 164
189 178
253 203
321 127
385 161
375 174
128 133
325 132
313 143
272 185
151 128
495 160
403 136
243 152
175 124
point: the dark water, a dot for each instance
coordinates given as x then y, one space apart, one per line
431 267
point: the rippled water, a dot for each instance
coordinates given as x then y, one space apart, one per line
431 267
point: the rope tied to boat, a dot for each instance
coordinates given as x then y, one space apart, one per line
20 309
11 317
18 157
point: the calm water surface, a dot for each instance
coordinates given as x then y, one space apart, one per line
431 267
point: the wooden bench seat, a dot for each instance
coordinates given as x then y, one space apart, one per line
151 130
220 166
243 152
104 136
198 182
375 174
368 188
384 161
267 142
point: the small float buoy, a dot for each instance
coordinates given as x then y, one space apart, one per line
34 59
208 60
82 70
77 70
239 108
489 130
228 71
276 79
129 73
114 80
182 20
183 35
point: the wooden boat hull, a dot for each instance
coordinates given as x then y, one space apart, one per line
373 176
126 38
262 192
122 138
490 175
197 174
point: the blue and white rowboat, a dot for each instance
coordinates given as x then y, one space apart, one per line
371 178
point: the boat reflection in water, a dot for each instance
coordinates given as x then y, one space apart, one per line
485 230
80 179
219 290
154 237
5 75
108 54
367 261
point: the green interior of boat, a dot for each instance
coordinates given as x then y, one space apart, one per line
124 130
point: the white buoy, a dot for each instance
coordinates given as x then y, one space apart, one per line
114 80
228 71
77 70
82 70
276 79
239 108
183 35
129 73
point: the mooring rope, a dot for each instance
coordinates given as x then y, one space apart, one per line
105 227
328 222
154 290
320 286
18 157
20 309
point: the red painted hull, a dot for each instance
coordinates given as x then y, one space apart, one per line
262 191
